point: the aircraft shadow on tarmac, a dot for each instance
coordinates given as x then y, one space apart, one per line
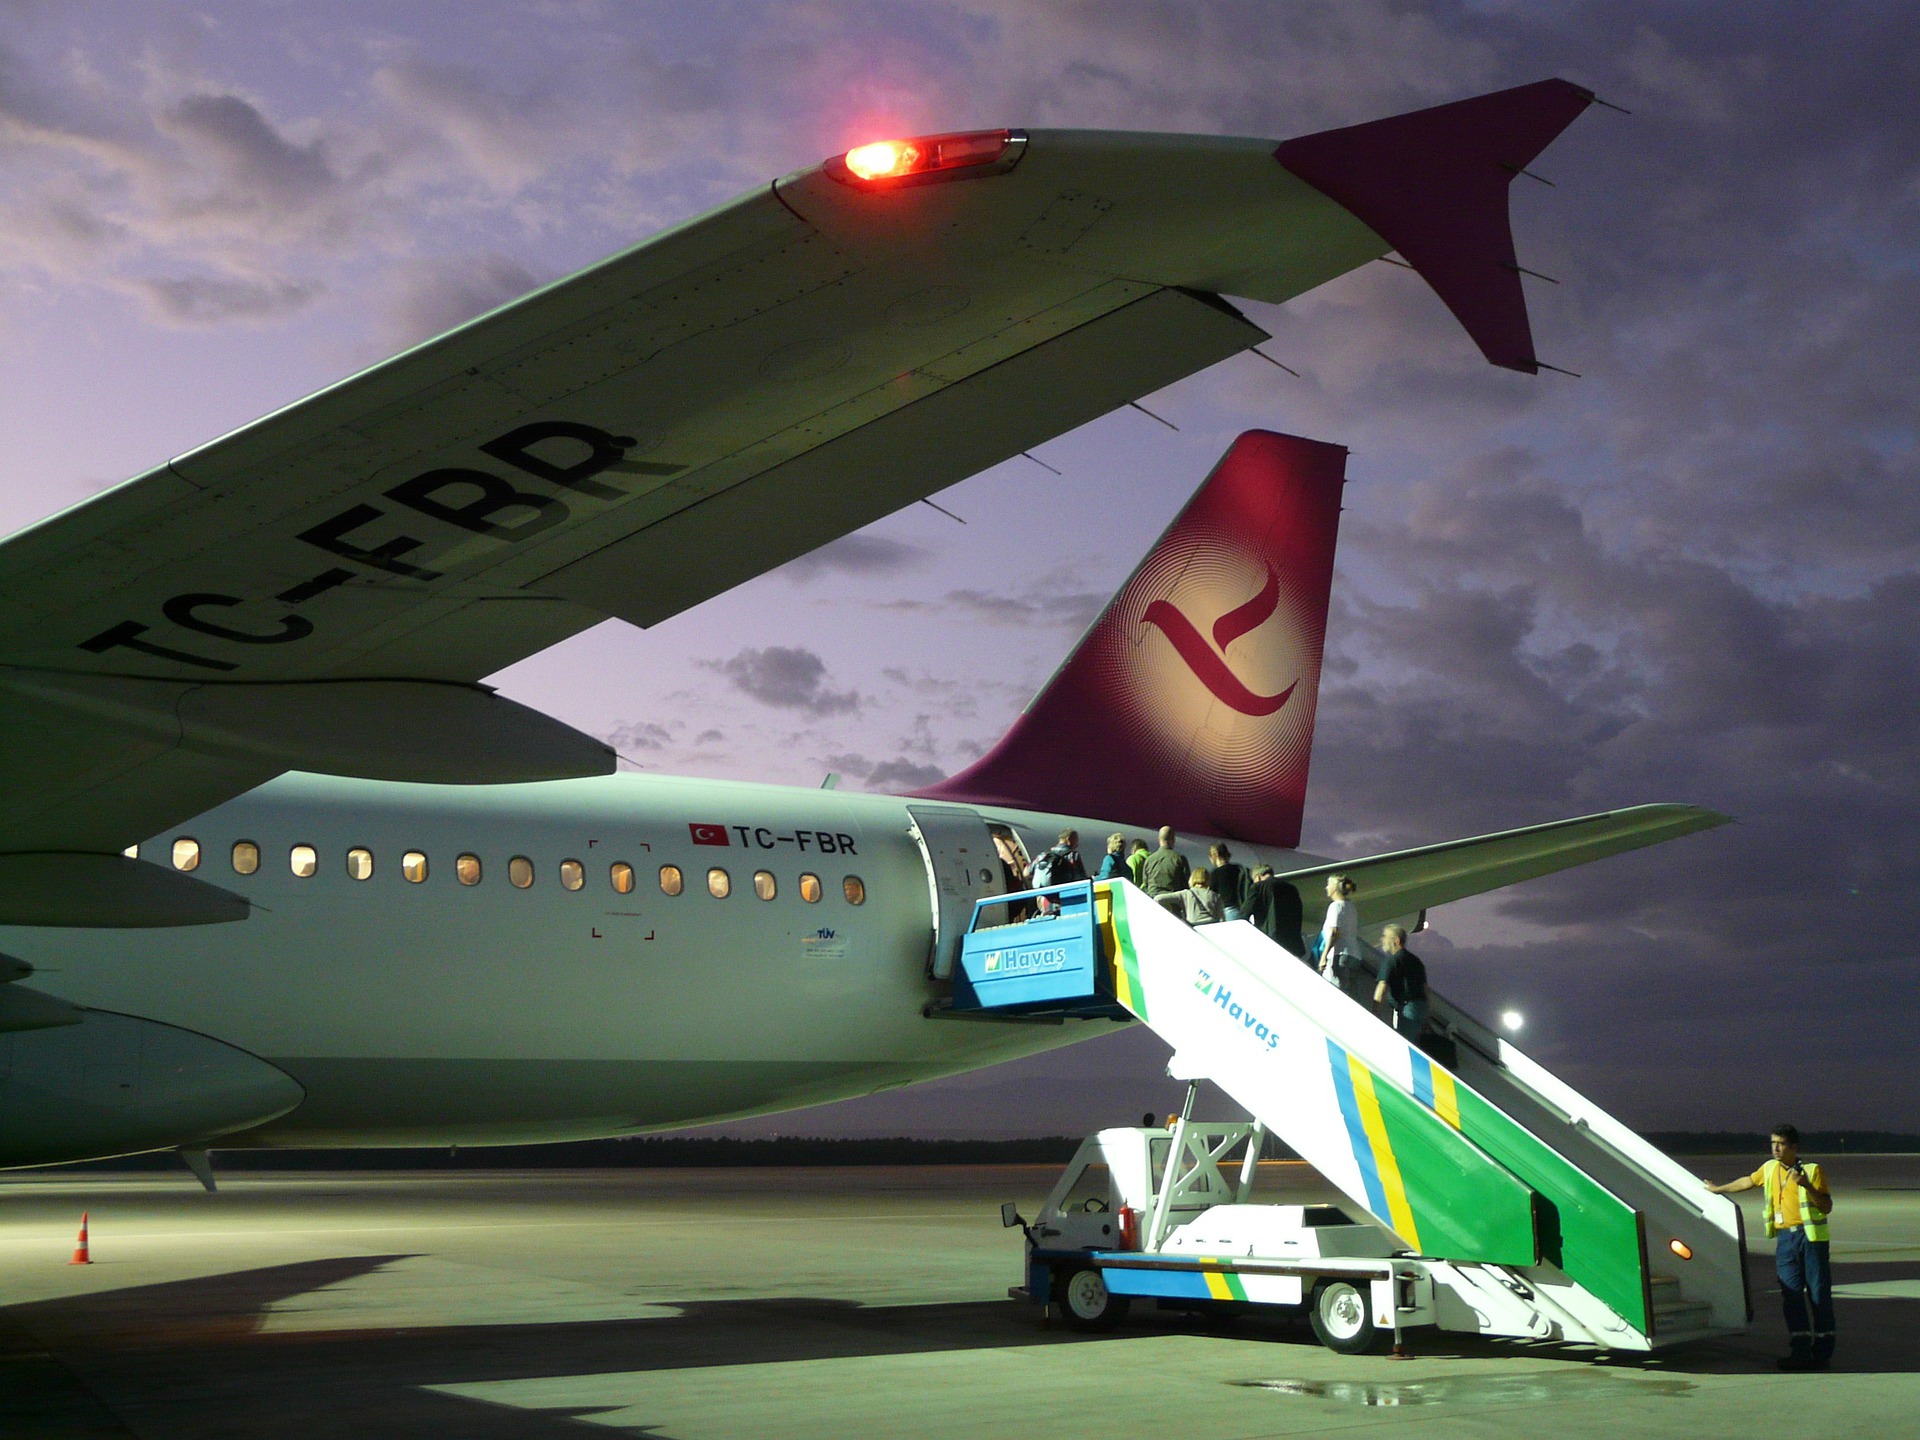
191 1358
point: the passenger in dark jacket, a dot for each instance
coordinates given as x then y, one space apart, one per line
1230 882
1274 907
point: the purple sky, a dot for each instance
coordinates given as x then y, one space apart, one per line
1687 576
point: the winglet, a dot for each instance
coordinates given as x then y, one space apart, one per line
1433 184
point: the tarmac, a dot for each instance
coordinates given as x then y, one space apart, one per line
701 1304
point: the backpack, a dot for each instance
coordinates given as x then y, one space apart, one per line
1050 868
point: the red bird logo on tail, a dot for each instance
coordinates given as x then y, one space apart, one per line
1210 667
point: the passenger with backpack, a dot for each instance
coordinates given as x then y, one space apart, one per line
1058 864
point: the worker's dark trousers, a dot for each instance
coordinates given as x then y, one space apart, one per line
1805 1275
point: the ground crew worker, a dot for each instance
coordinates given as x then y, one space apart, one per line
1166 870
1798 1204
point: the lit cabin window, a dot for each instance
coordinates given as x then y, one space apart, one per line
810 889
763 884
360 863
520 872
186 853
719 883
413 866
671 882
466 869
246 857
572 874
854 889
303 860
621 874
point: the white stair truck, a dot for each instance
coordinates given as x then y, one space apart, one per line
1483 1195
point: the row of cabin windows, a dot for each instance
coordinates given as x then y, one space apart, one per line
304 861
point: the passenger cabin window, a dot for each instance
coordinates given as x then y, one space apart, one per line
719 883
186 853
810 889
303 860
246 857
572 874
854 889
671 881
520 872
360 863
621 875
466 869
413 866
763 884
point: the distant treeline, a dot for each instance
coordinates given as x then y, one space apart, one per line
634 1152
718 1151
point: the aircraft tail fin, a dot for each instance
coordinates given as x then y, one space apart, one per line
1190 701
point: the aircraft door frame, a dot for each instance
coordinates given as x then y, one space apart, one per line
963 866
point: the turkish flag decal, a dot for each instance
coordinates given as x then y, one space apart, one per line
709 834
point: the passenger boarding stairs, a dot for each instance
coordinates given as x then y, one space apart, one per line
1491 1164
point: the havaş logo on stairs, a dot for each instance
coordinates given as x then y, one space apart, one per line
1223 997
1024 962
1211 668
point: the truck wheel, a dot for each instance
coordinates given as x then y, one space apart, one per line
1085 1302
1342 1318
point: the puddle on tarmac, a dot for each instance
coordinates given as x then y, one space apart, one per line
1545 1386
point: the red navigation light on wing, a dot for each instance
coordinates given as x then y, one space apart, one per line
928 158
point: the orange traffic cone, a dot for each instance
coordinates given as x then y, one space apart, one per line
80 1256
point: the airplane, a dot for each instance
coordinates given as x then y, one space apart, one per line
281 870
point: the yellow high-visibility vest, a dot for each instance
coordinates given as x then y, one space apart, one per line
1814 1221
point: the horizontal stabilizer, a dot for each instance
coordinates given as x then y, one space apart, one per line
1407 881
1433 184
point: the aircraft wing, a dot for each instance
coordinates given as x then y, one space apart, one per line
324 589
1409 881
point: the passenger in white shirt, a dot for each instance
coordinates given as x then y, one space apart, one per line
1341 949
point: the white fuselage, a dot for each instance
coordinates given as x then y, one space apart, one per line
436 1012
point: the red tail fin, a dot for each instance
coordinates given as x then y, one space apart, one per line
1190 702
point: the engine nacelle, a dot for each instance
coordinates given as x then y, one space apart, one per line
115 1084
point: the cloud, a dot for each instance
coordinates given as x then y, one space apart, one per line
643 735
856 554
893 776
1051 601
786 677
886 776
429 297
208 300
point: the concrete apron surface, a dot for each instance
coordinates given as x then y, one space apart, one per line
794 1302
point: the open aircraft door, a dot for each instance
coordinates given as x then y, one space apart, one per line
963 865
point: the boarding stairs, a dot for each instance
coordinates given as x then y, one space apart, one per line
1539 1202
